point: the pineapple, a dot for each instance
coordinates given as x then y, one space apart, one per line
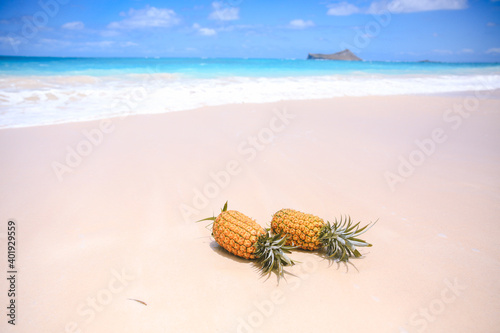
243 237
310 232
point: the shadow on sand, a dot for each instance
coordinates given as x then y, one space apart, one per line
255 263
257 268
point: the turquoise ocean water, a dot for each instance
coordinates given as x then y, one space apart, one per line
214 68
36 91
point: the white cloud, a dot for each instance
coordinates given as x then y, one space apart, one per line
77 25
147 18
222 13
207 32
104 43
301 24
127 44
491 24
494 50
467 51
54 42
204 31
10 40
342 9
412 6
237 27
397 6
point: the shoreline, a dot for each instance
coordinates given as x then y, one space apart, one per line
482 94
118 222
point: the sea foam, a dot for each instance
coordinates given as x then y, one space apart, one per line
50 99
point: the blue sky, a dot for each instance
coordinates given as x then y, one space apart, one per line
407 30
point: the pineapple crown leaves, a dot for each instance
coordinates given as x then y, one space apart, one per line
271 252
340 239
213 218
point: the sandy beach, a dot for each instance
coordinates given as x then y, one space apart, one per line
105 210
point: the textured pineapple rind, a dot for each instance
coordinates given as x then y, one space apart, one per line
237 233
302 229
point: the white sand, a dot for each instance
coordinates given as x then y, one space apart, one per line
112 229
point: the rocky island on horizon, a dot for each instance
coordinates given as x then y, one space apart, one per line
345 55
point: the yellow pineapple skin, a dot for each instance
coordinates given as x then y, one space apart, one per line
302 229
237 233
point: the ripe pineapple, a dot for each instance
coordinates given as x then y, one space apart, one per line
310 232
242 236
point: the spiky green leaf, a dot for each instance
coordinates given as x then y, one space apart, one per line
340 238
271 253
